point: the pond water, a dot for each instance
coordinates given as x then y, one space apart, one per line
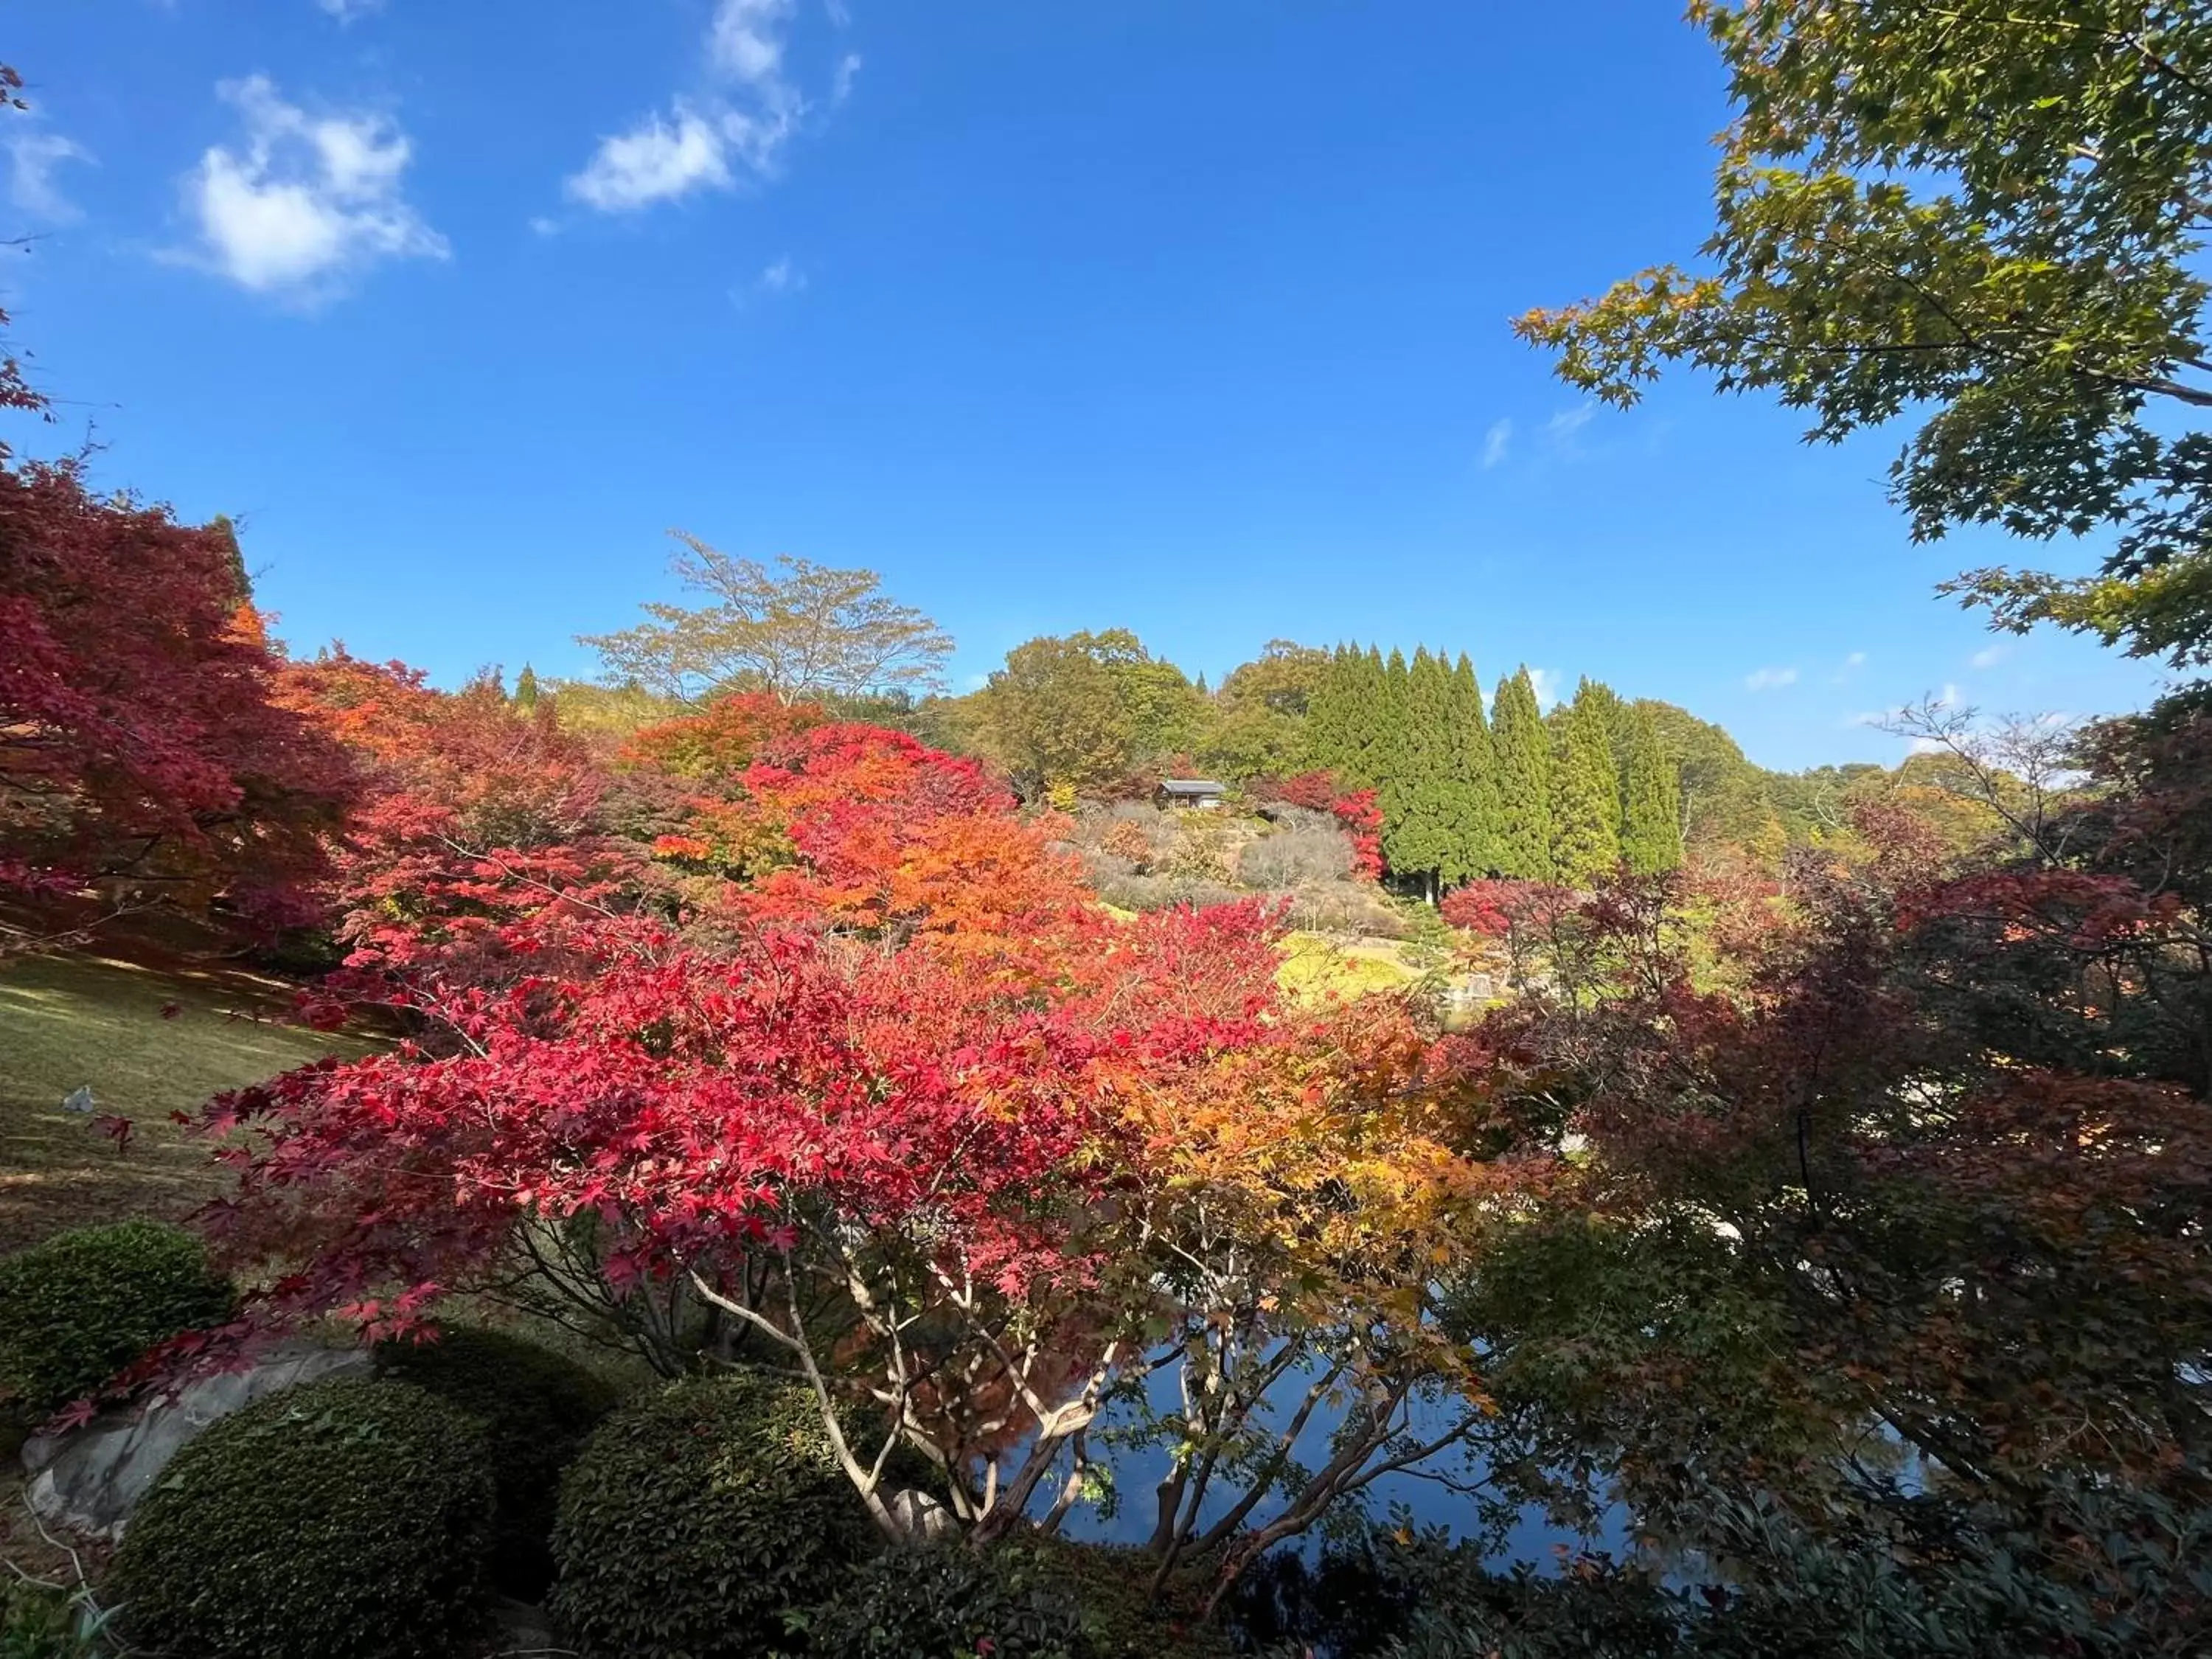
1137 1470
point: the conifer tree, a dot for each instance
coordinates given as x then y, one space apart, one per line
1388 760
1524 750
525 689
1473 841
1329 744
1611 711
1650 800
1585 794
1419 817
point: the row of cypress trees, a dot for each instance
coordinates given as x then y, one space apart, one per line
1468 791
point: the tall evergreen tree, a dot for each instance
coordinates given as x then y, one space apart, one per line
1612 712
1524 750
525 689
1473 850
1390 756
1419 810
1585 794
1330 743
1650 800
233 555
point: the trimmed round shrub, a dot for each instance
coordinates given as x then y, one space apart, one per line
948 1603
537 1408
346 1519
77 1309
696 1516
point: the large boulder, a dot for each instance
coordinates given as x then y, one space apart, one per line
88 1481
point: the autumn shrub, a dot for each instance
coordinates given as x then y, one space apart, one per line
1135 892
536 1407
1345 908
79 1307
1124 839
948 1603
1301 857
1204 849
696 1516
345 1519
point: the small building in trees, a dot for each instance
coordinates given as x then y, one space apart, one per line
1200 794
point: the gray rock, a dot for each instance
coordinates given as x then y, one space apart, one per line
921 1518
523 1627
88 1481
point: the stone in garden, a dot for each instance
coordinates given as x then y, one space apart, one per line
88 1481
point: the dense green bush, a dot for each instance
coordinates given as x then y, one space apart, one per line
38 1622
1122 1618
345 1519
945 1603
537 1408
696 1516
79 1308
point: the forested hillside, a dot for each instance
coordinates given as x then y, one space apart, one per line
1468 785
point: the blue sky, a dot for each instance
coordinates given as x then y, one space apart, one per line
1186 317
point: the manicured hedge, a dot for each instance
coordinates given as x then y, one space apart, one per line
696 1516
949 1602
537 1408
79 1308
346 1519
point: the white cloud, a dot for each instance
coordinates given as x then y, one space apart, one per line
346 10
1568 421
740 126
840 87
1988 657
655 162
1494 443
305 201
1951 698
744 41
782 278
1856 660
32 158
1769 679
1547 683
544 226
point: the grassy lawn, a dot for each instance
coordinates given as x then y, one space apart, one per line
1315 965
72 1020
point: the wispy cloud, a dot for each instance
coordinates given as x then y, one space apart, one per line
735 129
1495 443
1851 665
1988 657
1856 660
657 160
1769 679
346 10
303 204
1563 425
1950 698
841 84
33 156
778 280
1547 683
